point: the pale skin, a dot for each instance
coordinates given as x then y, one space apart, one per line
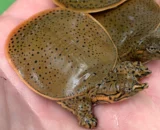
22 109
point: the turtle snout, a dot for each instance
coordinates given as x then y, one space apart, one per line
140 87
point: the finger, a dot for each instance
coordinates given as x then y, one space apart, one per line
153 79
158 1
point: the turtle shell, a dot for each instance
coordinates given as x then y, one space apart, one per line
130 24
88 6
60 53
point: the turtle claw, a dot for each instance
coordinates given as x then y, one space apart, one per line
140 70
88 122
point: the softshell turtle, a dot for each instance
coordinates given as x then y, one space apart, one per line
88 6
69 57
132 27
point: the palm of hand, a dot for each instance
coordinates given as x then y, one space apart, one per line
23 109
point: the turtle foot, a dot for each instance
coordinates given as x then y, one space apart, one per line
88 122
136 68
81 106
140 70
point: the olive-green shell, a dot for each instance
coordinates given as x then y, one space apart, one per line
88 6
130 23
61 53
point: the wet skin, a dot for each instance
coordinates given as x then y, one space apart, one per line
51 103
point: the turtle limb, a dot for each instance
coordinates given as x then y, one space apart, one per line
136 68
82 108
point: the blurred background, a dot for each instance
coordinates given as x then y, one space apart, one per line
4 4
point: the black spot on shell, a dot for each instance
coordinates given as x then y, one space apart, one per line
89 5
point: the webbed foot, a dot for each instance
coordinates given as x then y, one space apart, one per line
81 106
136 68
88 121
140 70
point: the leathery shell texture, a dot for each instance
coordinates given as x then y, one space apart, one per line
89 6
61 53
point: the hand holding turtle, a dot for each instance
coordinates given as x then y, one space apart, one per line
111 111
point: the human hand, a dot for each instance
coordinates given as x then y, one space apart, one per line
21 108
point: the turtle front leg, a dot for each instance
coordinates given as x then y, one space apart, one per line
82 108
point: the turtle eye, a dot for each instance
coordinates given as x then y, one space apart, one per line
128 90
151 49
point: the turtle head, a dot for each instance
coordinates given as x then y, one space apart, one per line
127 82
118 89
127 86
122 82
154 49
127 91
148 51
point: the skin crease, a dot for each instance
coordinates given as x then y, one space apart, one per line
22 109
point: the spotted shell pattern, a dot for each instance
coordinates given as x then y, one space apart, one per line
130 23
60 53
89 5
